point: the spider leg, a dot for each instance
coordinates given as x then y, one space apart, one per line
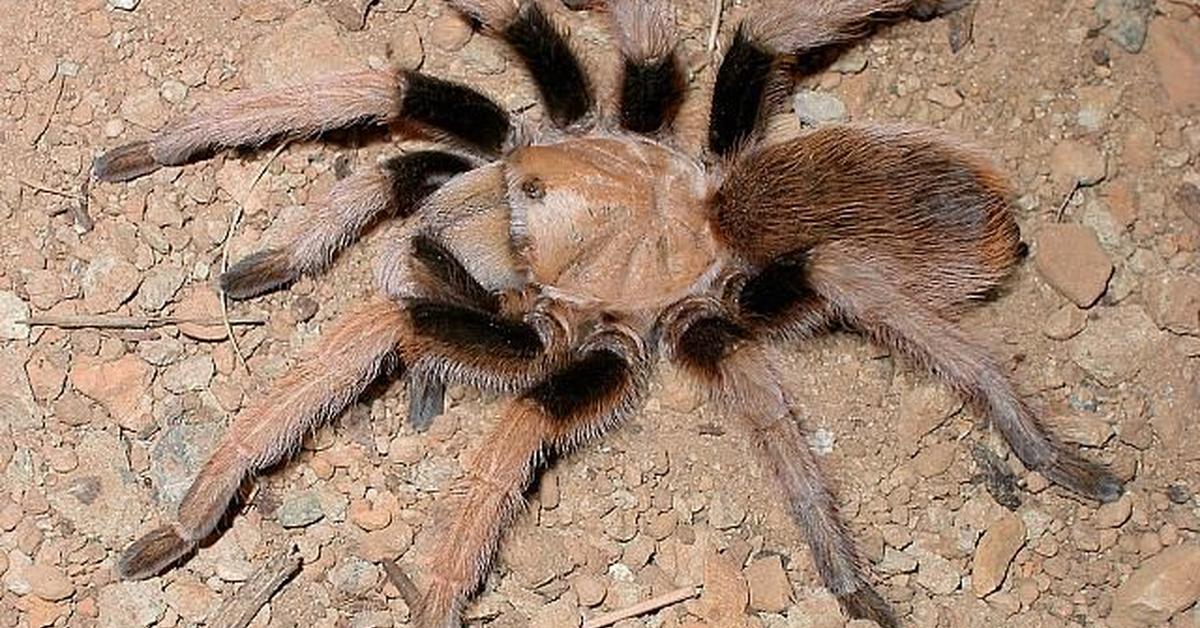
255 117
866 299
344 361
652 81
572 405
729 360
749 86
443 338
552 64
396 188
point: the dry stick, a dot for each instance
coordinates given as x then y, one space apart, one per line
649 606
49 190
50 112
239 610
715 28
233 223
79 213
128 322
404 584
1066 201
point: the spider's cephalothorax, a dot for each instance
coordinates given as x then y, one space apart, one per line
558 272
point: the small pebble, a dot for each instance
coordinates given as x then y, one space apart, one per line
814 108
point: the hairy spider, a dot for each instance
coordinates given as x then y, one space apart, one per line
558 270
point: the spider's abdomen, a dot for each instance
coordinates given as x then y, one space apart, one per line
933 212
610 220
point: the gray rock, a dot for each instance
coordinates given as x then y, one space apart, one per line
13 309
191 374
1158 589
108 282
937 574
159 287
821 441
124 5
124 604
813 107
1109 361
1126 21
161 351
852 61
354 576
177 457
300 510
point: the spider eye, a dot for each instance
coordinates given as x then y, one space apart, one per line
533 188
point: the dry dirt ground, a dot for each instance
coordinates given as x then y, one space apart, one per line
101 430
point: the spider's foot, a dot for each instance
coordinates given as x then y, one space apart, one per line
124 163
1083 477
924 10
426 400
152 553
865 603
259 273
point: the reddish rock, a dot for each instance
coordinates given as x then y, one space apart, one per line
48 582
1099 353
449 32
121 386
1065 323
726 594
201 304
305 47
1070 259
108 282
1159 588
1174 303
1074 162
1187 198
770 590
1177 59
191 598
1000 543
40 613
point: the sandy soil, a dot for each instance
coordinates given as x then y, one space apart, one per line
101 430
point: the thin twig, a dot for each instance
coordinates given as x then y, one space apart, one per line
58 92
49 190
239 610
404 584
128 322
233 224
1062 208
79 213
641 608
714 30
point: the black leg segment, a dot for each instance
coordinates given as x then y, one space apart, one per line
455 109
738 95
416 175
474 330
426 399
651 93
451 275
555 69
580 387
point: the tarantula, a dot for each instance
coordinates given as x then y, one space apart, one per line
558 270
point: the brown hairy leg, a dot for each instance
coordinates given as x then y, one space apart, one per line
333 374
867 300
351 205
653 80
577 403
254 117
397 187
739 376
